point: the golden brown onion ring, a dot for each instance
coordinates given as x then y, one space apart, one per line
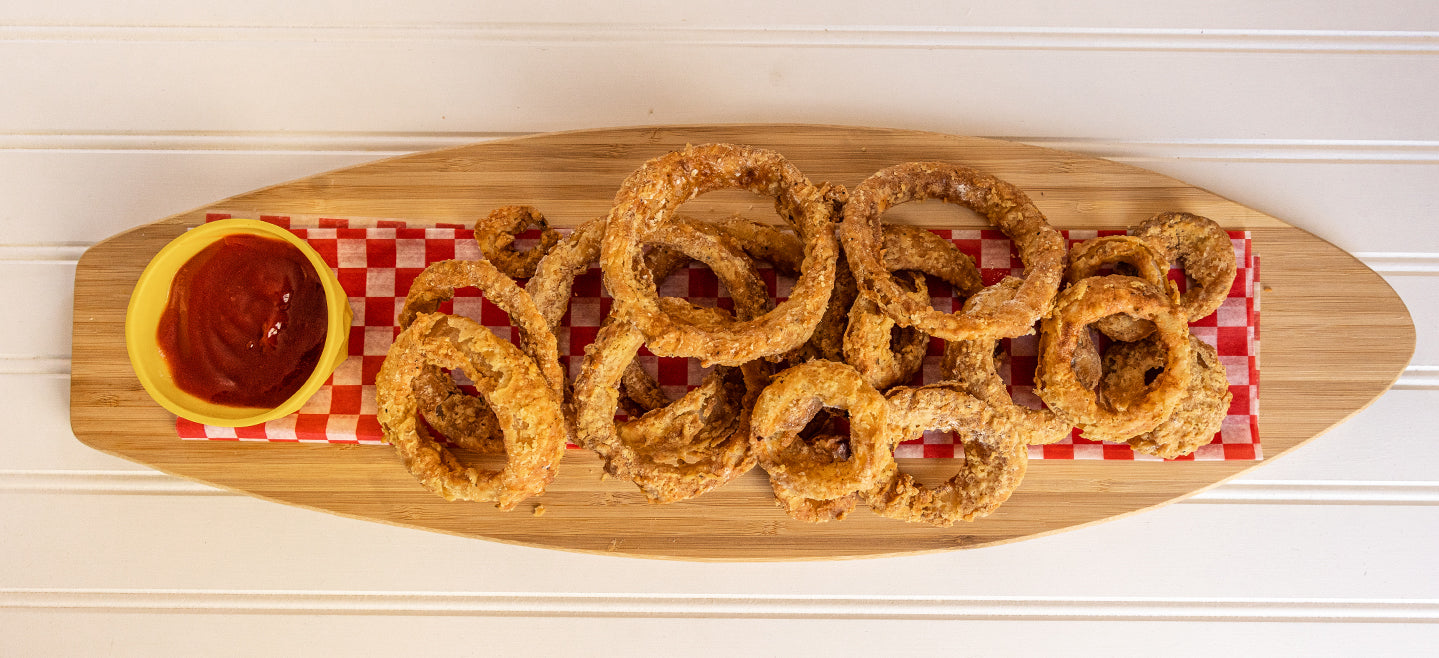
995 457
696 443
648 200
495 233
821 449
1004 205
527 409
916 251
785 252
466 420
1061 335
674 452
1203 249
437 283
910 248
787 405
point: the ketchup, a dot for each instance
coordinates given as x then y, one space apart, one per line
245 322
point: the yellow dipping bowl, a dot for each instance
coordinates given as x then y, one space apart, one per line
152 293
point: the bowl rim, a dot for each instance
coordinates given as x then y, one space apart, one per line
152 292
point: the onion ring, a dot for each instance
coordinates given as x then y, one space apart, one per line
555 274
1145 261
1200 413
787 405
763 242
672 453
495 233
995 457
1040 247
527 409
1060 336
1203 249
647 200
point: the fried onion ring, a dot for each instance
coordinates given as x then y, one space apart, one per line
1040 247
1203 249
1057 383
437 283
1200 413
995 457
495 233
527 409
555 274
785 251
647 201
787 405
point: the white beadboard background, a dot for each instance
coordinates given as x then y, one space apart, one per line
1325 114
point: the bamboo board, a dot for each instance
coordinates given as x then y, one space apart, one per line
1335 336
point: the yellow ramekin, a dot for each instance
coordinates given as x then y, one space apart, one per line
152 293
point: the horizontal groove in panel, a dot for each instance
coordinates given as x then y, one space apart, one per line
1399 262
34 365
42 254
1261 492
734 606
102 482
193 141
1274 150
880 36
1315 151
1320 492
1419 378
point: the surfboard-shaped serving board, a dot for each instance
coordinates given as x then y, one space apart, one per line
1335 336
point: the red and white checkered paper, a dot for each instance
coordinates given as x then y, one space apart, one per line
377 259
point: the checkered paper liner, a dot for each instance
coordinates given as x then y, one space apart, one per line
376 260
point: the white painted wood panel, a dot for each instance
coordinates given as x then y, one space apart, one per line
1320 15
1320 113
1205 550
85 633
231 81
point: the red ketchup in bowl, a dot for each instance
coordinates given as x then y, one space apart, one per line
245 322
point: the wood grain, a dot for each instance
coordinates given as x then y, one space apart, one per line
1335 336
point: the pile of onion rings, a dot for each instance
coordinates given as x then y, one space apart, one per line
817 388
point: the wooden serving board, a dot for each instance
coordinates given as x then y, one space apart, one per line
1335 336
